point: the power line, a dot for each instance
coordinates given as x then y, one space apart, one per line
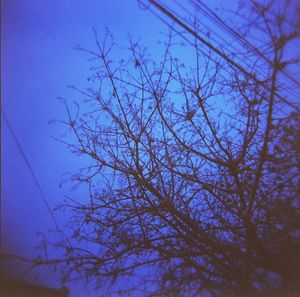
217 20
228 43
189 41
224 41
42 195
198 49
218 52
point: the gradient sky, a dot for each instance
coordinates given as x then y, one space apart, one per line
38 62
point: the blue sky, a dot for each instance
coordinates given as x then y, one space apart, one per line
38 62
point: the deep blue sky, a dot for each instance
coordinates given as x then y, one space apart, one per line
38 62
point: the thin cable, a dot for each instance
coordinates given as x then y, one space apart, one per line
191 43
218 52
230 44
64 237
187 40
217 20
216 42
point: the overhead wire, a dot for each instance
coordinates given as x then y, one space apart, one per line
211 38
184 37
198 49
229 45
35 179
209 13
226 28
218 52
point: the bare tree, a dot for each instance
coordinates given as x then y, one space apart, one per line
194 176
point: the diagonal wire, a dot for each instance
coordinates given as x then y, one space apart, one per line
189 41
38 185
221 24
228 44
218 52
